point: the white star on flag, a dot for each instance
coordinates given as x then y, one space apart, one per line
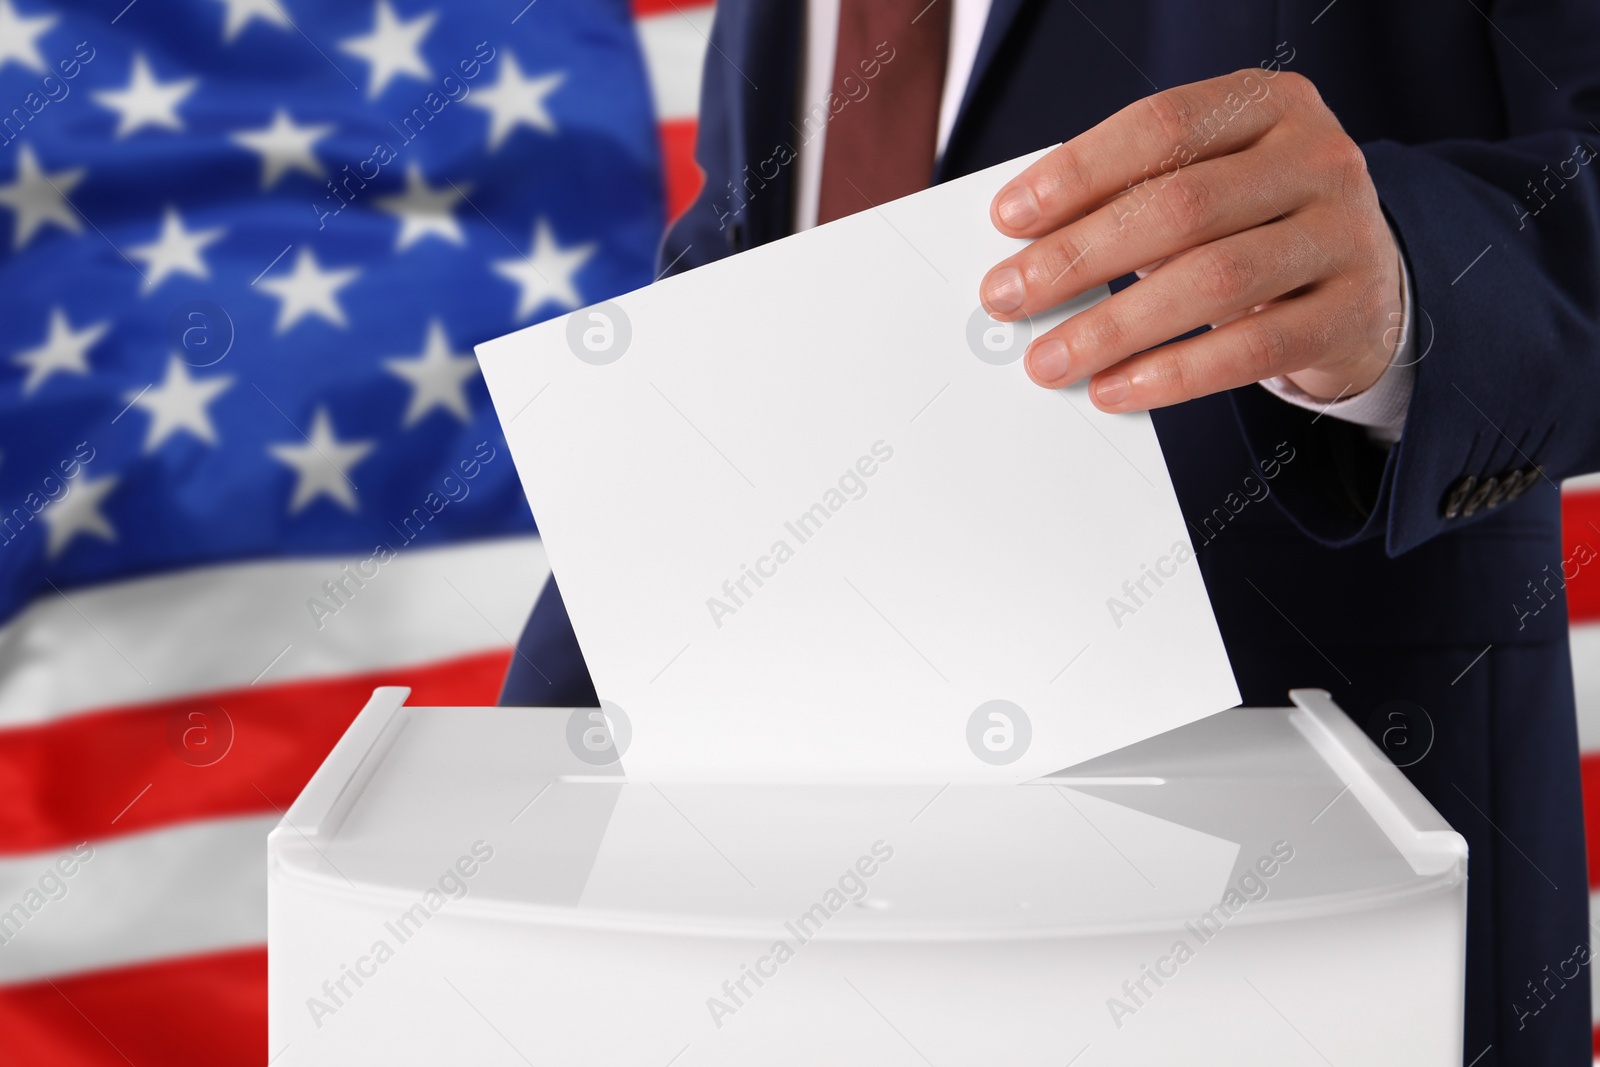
393 47
515 100
78 512
309 290
423 211
179 403
283 147
438 377
19 37
146 102
322 465
241 13
64 350
175 251
547 273
36 197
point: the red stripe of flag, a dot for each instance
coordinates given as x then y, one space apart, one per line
1589 764
646 8
205 1011
1580 527
683 176
123 770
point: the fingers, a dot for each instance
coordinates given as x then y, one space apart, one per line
1265 344
1163 132
1205 286
1190 207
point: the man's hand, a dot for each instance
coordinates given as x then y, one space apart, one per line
1241 204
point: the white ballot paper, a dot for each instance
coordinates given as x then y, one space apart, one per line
812 521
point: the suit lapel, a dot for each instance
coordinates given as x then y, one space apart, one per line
1002 13
767 50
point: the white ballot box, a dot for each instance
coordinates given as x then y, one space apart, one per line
476 885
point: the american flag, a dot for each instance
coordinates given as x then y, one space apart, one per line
248 470
229 372
1580 573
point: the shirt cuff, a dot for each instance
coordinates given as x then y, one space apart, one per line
1381 407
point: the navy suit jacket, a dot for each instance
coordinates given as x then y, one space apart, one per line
1425 596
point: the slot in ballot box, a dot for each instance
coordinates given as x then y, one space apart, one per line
459 885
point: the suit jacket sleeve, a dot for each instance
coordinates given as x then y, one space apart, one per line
1503 243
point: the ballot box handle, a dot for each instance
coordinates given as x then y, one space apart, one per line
325 801
1415 827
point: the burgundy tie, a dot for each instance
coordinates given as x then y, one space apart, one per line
881 145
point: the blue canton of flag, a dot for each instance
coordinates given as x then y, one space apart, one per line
248 246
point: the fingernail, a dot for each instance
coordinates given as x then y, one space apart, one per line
1003 290
1048 360
1112 389
1018 208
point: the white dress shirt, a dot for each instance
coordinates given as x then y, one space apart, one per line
1381 408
